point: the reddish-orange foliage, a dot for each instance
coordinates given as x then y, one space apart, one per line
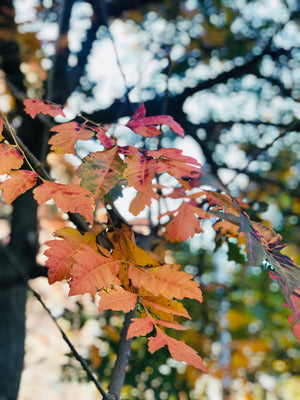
120 271
34 107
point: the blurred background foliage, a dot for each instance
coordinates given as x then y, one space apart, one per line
229 72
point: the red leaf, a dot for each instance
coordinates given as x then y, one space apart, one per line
140 201
34 106
145 126
139 173
108 142
67 136
10 158
140 327
69 198
93 271
19 182
178 350
117 299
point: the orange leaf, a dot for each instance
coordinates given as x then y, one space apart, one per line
60 253
169 324
165 280
140 327
93 271
34 106
101 171
20 181
140 172
140 201
67 136
184 225
10 158
178 350
69 198
145 126
117 299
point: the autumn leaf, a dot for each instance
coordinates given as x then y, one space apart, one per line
117 299
140 201
263 243
169 324
10 158
178 350
93 271
139 173
161 304
140 327
108 142
145 126
60 252
34 107
175 163
67 135
69 198
184 225
165 280
19 182
101 171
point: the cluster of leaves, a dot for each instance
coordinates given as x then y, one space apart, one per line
106 260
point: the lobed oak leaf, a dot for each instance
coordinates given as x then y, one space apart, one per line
69 198
101 171
184 225
178 350
93 271
117 299
19 182
140 327
67 135
60 252
10 158
35 106
145 126
165 280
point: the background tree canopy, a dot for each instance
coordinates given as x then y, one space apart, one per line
228 72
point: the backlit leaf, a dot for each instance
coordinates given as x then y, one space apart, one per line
165 280
178 350
19 182
69 198
60 252
101 171
160 303
184 225
34 107
145 126
140 327
117 299
67 135
10 158
93 271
